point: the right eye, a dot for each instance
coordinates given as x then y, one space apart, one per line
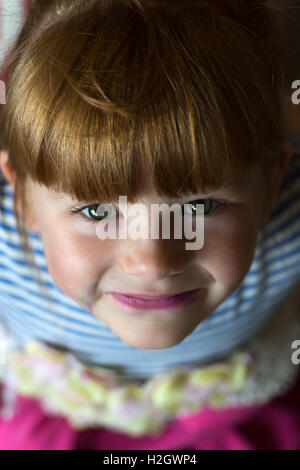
96 212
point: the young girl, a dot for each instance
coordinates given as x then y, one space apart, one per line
163 102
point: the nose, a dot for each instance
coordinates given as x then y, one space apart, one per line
152 259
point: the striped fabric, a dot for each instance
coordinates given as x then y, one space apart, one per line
58 319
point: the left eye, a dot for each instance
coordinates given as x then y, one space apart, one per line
210 205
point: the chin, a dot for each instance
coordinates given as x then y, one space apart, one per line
143 336
150 345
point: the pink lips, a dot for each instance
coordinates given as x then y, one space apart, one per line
142 302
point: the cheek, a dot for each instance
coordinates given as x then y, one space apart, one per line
76 263
229 249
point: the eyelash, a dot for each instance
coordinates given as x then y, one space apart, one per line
220 204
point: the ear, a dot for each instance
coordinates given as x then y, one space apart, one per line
6 168
9 175
273 181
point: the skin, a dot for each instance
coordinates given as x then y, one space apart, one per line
85 267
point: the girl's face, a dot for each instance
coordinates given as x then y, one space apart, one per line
85 267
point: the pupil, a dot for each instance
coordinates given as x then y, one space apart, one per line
206 202
93 212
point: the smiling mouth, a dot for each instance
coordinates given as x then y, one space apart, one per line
152 297
154 303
